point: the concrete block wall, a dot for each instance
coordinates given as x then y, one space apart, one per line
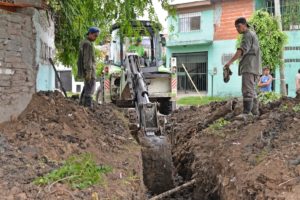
21 57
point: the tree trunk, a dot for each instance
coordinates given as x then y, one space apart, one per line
282 68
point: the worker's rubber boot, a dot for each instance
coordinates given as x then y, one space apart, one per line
82 98
255 108
246 115
88 102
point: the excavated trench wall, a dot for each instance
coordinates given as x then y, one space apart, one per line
26 43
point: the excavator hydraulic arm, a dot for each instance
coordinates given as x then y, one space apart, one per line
146 111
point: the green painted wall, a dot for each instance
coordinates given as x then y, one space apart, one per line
215 52
204 35
202 41
291 69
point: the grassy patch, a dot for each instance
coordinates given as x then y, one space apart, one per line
216 127
78 171
261 156
268 97
196 100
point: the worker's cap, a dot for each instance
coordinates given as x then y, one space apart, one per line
241 20
93 30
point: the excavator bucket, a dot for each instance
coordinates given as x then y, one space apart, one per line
149 118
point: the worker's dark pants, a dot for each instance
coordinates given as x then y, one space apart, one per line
87 92
249 83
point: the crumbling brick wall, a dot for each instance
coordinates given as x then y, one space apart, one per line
26 43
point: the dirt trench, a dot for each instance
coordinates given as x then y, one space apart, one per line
254 159
53 128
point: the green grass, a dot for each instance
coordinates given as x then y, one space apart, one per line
196 100
71 93
78 171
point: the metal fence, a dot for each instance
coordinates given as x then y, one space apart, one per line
196 65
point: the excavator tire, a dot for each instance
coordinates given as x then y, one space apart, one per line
157 164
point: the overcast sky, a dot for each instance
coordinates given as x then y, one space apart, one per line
161 13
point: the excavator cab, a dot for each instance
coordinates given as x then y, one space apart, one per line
161 80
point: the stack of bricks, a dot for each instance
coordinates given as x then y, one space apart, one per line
17 50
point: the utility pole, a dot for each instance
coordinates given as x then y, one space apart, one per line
282 68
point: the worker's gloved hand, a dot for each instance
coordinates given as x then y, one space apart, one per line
226 73
88 75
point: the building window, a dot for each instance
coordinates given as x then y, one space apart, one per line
290 13
296 60
292 48
189 22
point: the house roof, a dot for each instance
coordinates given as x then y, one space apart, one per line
189 3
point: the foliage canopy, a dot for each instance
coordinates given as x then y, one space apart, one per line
73 17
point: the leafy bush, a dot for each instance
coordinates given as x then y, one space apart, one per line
78 171
268 97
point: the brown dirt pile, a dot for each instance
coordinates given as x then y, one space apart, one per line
255 159
52 129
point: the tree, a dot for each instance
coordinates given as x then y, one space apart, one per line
73 17
271 38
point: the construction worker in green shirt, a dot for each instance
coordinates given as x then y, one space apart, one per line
137 48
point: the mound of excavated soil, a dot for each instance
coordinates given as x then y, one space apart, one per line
255 159
52 129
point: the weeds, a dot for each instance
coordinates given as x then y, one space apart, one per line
284 108
78 171
219 124
296 108
261 156
268 97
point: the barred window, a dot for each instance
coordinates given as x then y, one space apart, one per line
290 13
292 48
295 60
189 22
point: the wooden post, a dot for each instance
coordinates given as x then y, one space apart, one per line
282 68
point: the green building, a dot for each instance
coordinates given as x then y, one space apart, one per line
203 38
